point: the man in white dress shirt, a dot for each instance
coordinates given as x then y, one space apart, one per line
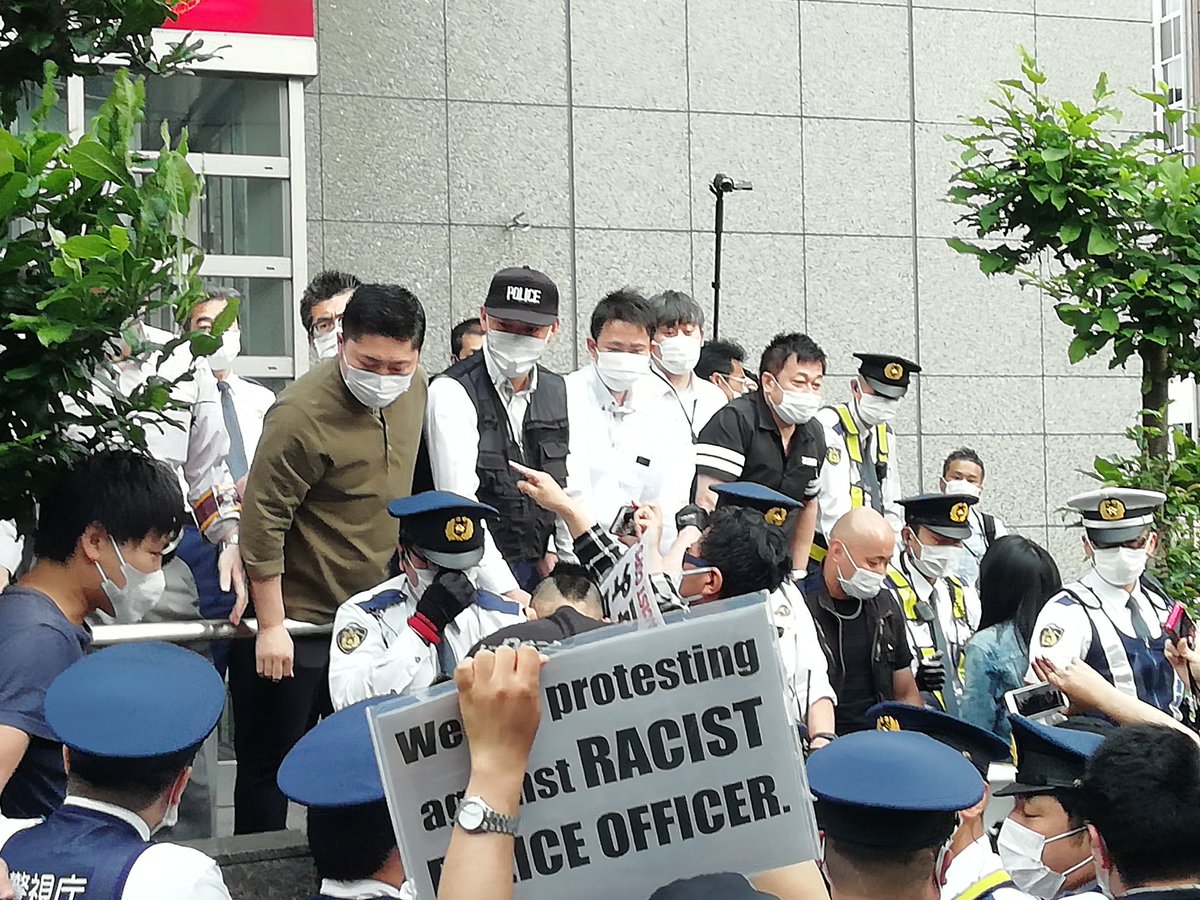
500 406
616 465
131 718
677 401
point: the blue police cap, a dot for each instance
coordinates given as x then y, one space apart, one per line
1049 757
896 790
888 375
978 745
447 529
771 503
944 514
334 764
136 701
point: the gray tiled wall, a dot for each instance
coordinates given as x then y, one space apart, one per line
434 122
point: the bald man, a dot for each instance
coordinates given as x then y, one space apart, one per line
860 624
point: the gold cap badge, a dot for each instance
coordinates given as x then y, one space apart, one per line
959 512
1112 510
459 529
776 515
887 723
893 371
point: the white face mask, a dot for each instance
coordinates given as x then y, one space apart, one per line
679 353
515 354
692 598
876 410
796 407
221 360
620 371
863 584
371 390
1120 566
170 818
1021 853
141 591
418 579
935 560
325 346
963 487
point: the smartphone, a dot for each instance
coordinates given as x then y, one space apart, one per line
1179 625
622 525
1041 702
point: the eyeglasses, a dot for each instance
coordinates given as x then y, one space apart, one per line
326 324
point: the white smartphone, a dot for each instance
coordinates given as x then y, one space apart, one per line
1041 702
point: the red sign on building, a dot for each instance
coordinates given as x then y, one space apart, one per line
288 18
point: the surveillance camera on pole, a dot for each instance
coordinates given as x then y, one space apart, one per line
721 185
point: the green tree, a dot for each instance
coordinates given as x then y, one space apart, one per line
91 238
1107 228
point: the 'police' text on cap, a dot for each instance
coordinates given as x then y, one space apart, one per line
522 294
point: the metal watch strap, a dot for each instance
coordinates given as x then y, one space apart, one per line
491 821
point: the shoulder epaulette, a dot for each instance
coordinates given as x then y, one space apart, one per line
382 600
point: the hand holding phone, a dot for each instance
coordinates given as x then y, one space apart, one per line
1041 702
1179 625
623 525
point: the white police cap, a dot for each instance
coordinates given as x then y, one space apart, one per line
1114 515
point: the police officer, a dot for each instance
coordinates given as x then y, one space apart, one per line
941 612
859 622
1112 617
500 405
132 718
861 468
410 631
332 771
1044 843
806 671
886 806
770 436
975 868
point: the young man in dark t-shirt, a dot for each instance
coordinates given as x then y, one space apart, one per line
99 543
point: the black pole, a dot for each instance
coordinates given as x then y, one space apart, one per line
718 229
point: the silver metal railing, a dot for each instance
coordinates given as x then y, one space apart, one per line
199 630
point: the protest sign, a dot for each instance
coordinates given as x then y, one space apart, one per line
662 754
626 590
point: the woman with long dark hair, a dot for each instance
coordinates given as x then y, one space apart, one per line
1016 578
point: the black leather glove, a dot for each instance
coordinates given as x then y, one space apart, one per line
691 515
931 673
450 593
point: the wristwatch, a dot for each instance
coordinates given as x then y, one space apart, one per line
475 816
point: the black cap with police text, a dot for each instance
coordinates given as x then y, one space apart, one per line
135 701
334 766
946 514
445 528
771 503
1049 757
899 791
888 375
719 886
1114 515
978 746
522 294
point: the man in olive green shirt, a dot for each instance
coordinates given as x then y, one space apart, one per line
336 447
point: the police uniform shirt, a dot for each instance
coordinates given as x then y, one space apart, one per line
251 402
840 473
375 652
452 430
975 862
805 669
742 443
967 565
617 452
37 643
1064 626
677 418
162 870
937 595
365 889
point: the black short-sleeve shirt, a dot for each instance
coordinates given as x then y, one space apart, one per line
742 443
36 643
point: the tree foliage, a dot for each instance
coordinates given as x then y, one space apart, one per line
91 237
1107 228
75 35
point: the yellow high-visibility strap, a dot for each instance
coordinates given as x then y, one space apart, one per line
881 443
985 886
853 446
